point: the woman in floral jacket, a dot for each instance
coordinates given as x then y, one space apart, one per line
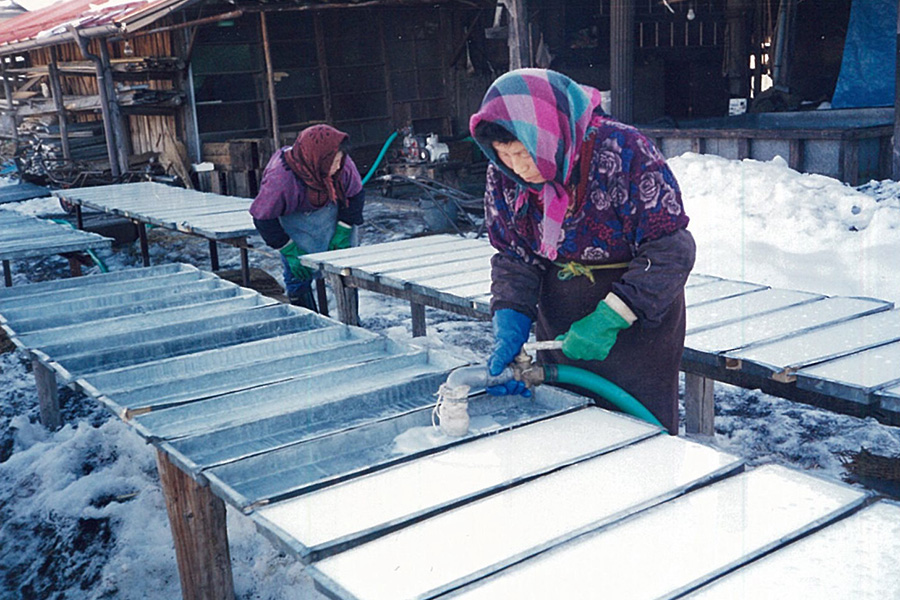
591 237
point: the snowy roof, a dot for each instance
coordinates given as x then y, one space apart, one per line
51 24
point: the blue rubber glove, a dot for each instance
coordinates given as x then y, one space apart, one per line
511 330
592 337
292 253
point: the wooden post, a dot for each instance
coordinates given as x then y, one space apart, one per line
270 79
321 297
102 71
519 50
699 404
621 58
197 520
145 245
213 255
7 92
48 395
120 128
7 274
418 319
74 265
323 69
346 298
245 267
56 88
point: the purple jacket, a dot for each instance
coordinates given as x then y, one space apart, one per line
282 193
627 208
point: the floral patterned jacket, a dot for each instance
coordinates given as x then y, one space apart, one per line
627 208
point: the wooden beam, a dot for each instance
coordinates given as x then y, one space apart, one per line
197 520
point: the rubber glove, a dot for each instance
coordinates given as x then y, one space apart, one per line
292 252
592 337
511 330
341 237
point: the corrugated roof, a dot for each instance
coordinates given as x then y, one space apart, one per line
50 25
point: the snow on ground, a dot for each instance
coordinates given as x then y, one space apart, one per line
81 511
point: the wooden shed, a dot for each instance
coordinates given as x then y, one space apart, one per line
172 83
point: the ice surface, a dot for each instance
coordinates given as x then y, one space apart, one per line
857 558
678 544
487 534
456 473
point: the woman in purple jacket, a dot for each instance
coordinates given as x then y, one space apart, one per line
591 238
310 200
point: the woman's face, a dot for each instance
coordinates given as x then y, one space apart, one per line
336 164
516 158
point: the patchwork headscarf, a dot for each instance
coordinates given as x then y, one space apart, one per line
310 159
549 113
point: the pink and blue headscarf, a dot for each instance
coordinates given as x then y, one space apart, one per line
549 113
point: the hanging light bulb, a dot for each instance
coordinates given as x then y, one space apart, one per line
690 14
127 48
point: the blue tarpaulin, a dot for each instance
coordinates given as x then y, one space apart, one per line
868 67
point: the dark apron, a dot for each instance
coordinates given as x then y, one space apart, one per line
644 361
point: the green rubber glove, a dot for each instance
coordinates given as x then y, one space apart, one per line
592 337
341 237
292 252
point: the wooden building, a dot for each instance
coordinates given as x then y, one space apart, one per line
180 81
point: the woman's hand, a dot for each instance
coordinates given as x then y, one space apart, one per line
511 330
592 337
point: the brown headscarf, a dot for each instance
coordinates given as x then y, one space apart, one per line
310 159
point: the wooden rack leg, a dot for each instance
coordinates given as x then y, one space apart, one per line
7 274
699 404
48 395
145 246
321 297
214 255
74 266
197 520
418 319
347 299
245 267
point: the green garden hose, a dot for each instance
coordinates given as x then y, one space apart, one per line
567 374
377 162
97 260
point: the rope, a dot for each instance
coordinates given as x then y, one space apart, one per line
573 269
451 412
